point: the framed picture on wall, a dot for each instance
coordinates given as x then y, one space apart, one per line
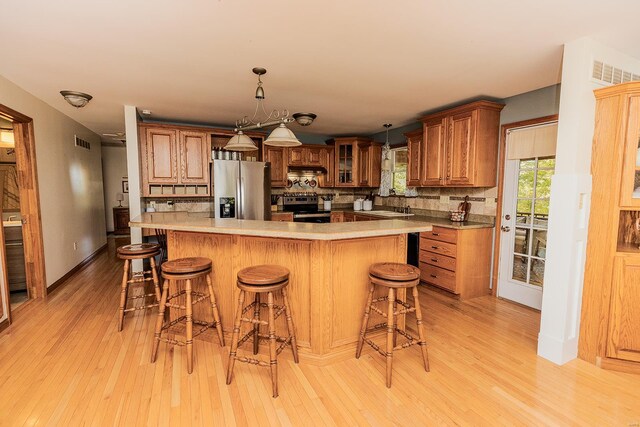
125 186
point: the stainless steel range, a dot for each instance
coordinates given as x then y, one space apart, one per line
304 207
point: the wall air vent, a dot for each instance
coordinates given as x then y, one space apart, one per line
79 142
606 74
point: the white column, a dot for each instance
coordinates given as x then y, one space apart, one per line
133 173
570 199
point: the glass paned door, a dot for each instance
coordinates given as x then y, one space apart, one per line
527 189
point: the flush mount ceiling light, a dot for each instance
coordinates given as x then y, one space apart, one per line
77 99
281 136
386 163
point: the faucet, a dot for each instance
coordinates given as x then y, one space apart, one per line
12 217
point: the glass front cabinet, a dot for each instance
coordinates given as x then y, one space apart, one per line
630 183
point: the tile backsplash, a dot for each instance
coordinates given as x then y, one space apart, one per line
483 200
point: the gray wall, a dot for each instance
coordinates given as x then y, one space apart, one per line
531 105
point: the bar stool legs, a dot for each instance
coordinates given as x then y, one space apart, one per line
185 270
393 276
259 280
292 334
123 294
160 320
139 251
273 361
423 341
234 336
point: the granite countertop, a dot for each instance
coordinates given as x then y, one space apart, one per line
184 221
438 221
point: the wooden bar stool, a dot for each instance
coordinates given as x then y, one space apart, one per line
186 269
137 251
393 276
259 280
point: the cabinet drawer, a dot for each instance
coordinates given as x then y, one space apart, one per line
441 234
438 276
442 248
438 260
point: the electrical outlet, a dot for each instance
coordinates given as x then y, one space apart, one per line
75 246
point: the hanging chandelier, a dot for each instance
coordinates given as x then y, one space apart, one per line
281 136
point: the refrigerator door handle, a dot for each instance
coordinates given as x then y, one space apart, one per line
239 198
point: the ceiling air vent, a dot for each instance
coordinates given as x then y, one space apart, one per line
609 75
79 142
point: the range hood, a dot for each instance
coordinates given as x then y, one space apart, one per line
308 168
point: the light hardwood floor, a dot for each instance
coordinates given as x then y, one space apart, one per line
64 363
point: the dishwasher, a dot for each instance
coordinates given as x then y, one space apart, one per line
413 249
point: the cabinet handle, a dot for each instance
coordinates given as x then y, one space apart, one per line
434 247
435 234
434 276
434 259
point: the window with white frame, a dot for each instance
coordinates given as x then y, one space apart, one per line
398 157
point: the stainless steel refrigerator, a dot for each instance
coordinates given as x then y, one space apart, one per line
241 190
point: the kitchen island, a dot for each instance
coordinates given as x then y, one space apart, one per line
328 263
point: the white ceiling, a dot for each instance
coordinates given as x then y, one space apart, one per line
357 64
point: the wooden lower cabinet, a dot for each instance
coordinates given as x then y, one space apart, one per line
349 217
120 220
458 261
282 216
337 216
624 322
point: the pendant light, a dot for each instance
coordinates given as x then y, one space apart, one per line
386 163
281 136
240 142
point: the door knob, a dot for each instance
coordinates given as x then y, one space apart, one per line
505 228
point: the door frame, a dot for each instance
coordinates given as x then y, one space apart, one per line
503 146
29 202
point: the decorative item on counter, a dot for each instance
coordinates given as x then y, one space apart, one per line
465 207
326 201
357 204
457 216
151 207
367 204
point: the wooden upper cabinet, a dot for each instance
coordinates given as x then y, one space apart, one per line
346 162
161 156
305 155
363 166
296 156
195 152
460 146
460 149
624 318
314 155
277 156
414 157
327 159
630 187
369 164
433 159
358 162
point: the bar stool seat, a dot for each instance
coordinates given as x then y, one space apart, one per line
138 249
393 276
259 280
182 266
128 253
185 270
